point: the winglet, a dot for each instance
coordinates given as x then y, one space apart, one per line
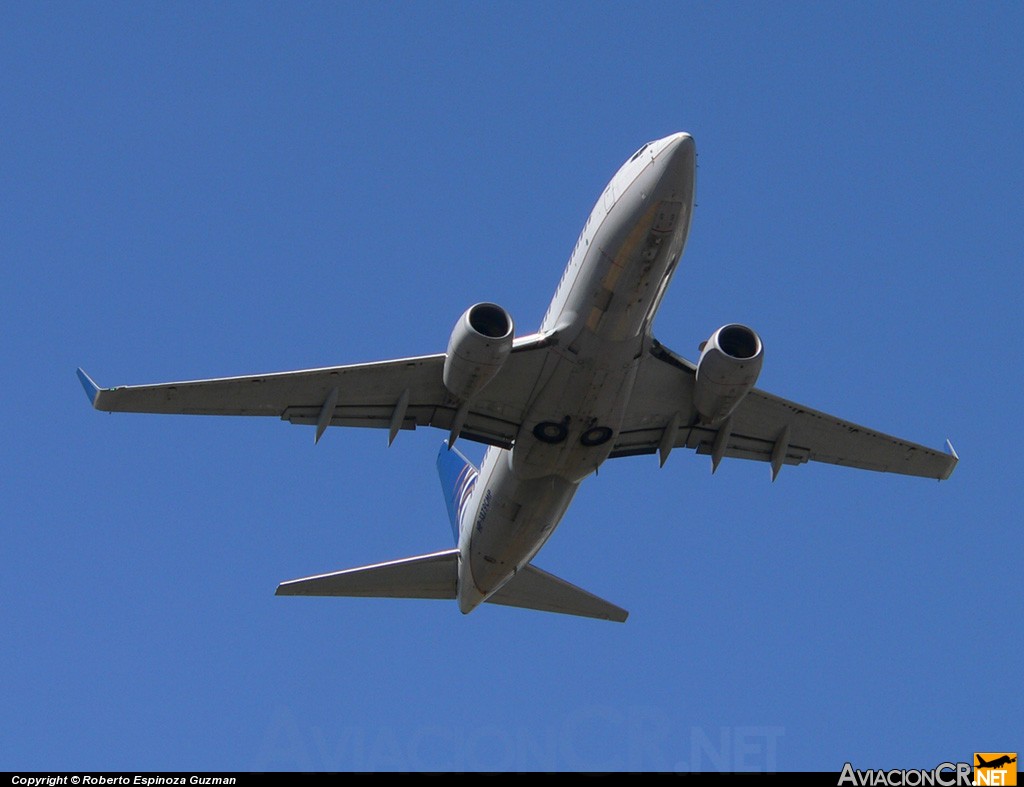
91 389
953 459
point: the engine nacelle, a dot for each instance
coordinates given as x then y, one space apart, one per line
480 343
729 364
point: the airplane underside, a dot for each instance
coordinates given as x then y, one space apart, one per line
592 384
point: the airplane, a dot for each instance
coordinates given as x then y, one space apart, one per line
591 384
998 762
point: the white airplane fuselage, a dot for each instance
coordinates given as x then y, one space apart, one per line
601 316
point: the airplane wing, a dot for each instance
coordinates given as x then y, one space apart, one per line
393 395
764 427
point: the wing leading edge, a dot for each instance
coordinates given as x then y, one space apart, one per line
764 427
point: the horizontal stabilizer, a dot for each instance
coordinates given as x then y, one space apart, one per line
436 576
423 576
536 589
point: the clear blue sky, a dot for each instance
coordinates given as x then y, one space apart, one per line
195 189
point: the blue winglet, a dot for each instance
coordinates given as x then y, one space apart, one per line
91 389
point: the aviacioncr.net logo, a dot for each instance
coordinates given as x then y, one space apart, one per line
995 768
945 774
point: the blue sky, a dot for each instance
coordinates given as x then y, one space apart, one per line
192 190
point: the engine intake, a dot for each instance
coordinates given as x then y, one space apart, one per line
479 345
730 362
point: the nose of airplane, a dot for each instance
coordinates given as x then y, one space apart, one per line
678 146
675 158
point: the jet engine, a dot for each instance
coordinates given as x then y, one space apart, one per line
729 364
480 343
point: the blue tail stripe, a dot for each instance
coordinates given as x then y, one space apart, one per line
458 477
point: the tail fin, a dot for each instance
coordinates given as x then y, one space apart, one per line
458 477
